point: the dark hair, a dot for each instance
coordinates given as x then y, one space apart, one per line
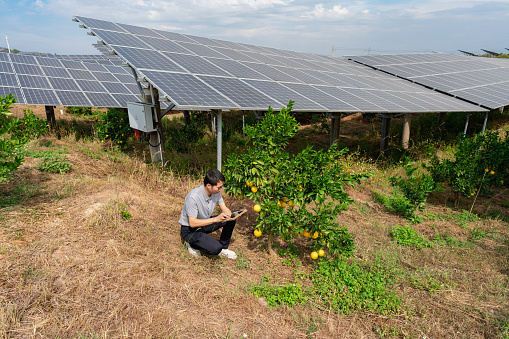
212 177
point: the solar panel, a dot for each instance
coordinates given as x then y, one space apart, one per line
40 97
16 91
198 72
4 57
95 23
22 59
102 99
453 74
187 90
63 82
241 93
8 80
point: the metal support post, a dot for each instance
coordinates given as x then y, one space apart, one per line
405 133
485 121
213 122
50 116
335 127
386 127
441 120
466 124
219 115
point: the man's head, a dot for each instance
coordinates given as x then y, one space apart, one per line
215 179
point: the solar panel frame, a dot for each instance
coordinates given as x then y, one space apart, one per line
121 39
73 98
6 67
40 97
27 69
8 80
63 84
100 24
33 81
101 99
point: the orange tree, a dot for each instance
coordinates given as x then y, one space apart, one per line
294 193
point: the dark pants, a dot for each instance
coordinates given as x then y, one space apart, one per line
200 239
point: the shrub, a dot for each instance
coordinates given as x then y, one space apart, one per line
10 158
407 236
54 163
114 125
290 295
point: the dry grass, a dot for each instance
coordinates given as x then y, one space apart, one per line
71 266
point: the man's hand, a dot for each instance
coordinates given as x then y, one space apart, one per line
222 217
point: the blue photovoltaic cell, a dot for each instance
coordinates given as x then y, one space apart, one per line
235 55
333 104
237 69
201 50
166 45
73 64
49 62
5 91
121 39
103 76
133 88
284 95
4 57
148 59
123 99
31 81
241 93
137 30
204 41
55 72
95 67
68 98
79 74
102 100
40 97
27 69
8 79
100 24
270 72
264 59
187 90
359 103
91 86
174 36
115 87
63 84
6 67
301 76
117 69
195 64
23 59
125 78
372 96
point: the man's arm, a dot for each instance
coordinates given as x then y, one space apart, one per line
195 222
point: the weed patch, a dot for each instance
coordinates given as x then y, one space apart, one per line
407 236
275 295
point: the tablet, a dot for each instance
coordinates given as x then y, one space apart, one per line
237 214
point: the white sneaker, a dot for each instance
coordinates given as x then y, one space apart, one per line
228 253
193 251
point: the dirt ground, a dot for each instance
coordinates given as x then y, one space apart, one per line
72 267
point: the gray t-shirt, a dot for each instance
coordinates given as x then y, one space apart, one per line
199 205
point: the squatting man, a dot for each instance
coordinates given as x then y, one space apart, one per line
197 222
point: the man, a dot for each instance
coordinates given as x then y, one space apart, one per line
196 221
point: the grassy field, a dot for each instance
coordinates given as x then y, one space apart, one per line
96 253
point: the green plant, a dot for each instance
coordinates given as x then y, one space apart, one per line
54 163
407 236
397 203
31 127
114 125
290 295
295 192
415 188
347 286
476 234
320 123
447 240
10 158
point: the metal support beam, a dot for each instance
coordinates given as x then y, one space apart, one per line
484 124
466 124
187 118
156 142
441 120
219 115
405 133
386 128
50 116
335 127
213 122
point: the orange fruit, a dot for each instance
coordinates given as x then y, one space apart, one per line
306 234
291 204
492 172
315 235
257 233
486 170
314 255
254 189
321 253
282 204
284 199
257 208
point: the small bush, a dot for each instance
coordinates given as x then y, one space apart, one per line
290 295
407 236
54 163
114 125
349 286
397 203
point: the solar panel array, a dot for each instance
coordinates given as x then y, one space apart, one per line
484 81
104 59
201 73
47 81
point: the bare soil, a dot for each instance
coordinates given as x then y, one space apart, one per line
71 266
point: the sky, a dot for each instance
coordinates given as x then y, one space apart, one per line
348 27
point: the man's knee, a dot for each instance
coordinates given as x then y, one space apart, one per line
215 249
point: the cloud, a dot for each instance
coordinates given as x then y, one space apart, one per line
321 13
